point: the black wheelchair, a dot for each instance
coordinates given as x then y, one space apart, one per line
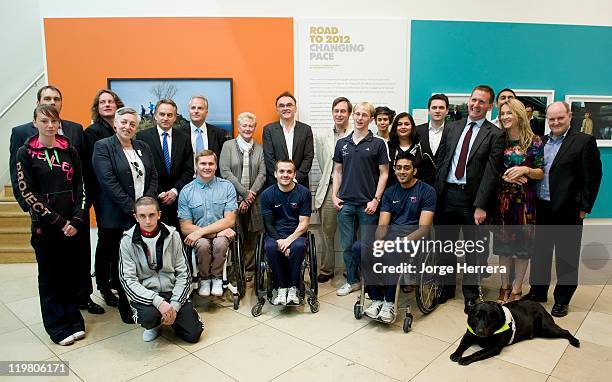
427 292
263 276
234 278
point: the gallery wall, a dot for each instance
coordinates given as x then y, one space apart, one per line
256 52
453 57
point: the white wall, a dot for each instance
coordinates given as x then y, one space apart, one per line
588 12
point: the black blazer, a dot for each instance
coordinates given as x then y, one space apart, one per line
116 199
423 131
484 162
92 134
575 174
20 134
216 137
275 148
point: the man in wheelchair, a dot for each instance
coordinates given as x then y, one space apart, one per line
408 207
207 212
285 209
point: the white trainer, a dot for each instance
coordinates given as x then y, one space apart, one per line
150 334
281 297
204 289
292 297
387 313
347 288
67 341
217 287
79 335
374 309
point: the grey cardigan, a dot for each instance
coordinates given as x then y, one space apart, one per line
230 164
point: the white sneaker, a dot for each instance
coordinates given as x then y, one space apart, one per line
292 297
79 335
387 313
67 341
347 288
204 289
150 334
281 297
217 287
373 309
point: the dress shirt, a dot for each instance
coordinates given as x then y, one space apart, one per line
451 174
289 133
160 131
205 203
194 136
435 136
551 148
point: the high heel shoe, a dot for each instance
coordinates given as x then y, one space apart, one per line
515 296
504 294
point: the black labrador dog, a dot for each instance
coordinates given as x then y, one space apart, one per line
493 326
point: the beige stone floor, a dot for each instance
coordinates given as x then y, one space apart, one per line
292 344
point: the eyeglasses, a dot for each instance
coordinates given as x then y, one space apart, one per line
139 172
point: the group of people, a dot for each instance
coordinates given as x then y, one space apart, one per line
160 193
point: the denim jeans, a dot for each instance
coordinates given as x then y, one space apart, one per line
351 217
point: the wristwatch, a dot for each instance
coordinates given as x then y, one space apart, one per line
377 199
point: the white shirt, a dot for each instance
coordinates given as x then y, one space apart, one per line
435 136
451 178
137 176
289 133
160 131
194 136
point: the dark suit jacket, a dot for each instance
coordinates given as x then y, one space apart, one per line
275 148
114 174
91 135
483 164
72 130
537 127
423 131
181 165
575 174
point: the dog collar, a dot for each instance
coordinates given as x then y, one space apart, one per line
508 325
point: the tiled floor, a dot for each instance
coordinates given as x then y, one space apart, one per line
292 344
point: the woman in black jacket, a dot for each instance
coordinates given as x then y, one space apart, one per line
125 171
50 181
405 138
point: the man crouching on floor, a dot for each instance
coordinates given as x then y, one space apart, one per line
153 271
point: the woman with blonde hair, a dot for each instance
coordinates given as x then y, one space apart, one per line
516 197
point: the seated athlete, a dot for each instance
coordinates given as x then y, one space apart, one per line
285 209
153 271
408 205
207 212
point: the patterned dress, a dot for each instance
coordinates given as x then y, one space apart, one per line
515 213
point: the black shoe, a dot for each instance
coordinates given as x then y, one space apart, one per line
110 299
534 297
448 293
344 274
470 303
559 310
323 278
91 307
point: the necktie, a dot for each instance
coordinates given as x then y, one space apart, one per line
465 147
166 151
199 141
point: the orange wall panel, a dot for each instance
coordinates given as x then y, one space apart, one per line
256 52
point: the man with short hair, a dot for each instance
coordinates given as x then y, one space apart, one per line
566 194
288 139
155 275
536 126
207 212
204 136
469 161
285 209
51 95
325 144
383 117
172 156
430 132
361 169
503 96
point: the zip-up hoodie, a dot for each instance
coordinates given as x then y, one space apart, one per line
50 181
143 284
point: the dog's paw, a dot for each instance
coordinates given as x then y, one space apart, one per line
574 342
464 361
455 357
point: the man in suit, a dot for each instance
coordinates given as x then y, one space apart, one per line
173 158
536 126
430 133
326 143
51 95
288 139
469 162
572 175
204 136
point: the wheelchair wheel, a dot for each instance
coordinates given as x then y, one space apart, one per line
256 310
239 272
314 304
259 279
407 323
312 261
428 287
236 301
357 310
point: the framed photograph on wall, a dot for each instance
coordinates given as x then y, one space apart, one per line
592 115
538 100
143 93
458 107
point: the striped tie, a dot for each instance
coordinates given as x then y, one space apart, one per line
166 152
